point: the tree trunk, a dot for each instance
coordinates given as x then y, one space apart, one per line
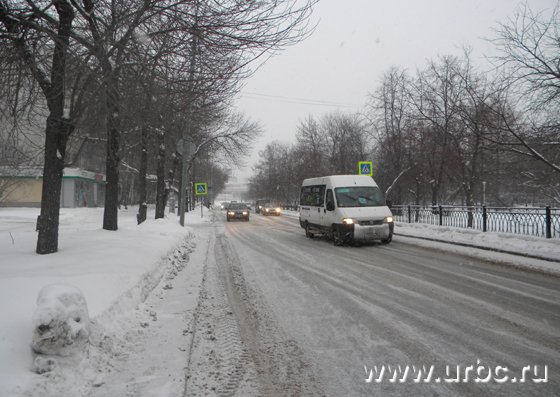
110 214
55 147
161 195
171 179
143 206
435 193
56 135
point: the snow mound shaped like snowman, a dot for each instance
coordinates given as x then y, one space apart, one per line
61 324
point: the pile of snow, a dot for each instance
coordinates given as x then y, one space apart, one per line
60 324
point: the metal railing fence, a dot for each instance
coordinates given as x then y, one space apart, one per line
540 222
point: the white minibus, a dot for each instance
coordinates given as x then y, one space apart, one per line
346 208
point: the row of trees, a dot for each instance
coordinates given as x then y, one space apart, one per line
447 132
331 145
135 76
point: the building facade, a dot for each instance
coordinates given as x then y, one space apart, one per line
23 188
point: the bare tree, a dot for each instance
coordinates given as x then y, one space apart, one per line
434 95
40 37
346 141
390 113
226 36
529 61
311 147
470 138
270 173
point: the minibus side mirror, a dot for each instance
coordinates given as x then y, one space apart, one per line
330 206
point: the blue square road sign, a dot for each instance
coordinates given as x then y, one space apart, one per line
201 189
365 168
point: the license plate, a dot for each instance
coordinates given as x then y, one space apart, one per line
371 233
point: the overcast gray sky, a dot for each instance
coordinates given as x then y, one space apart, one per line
355 42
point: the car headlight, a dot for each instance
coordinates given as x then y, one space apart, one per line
388 219
244 212
231 213
349 221
277 209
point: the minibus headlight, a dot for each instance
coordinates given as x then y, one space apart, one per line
244 212
388 219
231 213
277 209
349 221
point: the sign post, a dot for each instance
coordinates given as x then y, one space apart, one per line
186 149
365 168
201 189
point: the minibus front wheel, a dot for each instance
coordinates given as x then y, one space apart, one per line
308 232
340 236
388 239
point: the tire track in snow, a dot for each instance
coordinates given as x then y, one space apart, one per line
219 365
281 364
239 349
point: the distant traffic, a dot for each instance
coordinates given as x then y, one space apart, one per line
348 209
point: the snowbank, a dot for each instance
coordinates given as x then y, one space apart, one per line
528 246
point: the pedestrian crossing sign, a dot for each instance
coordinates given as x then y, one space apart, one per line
201 189
365 168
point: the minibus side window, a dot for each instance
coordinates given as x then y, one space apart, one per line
312 195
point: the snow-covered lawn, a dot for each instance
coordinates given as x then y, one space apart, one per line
115 270
132 268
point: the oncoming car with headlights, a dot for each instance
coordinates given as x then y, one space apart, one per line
237 211
271 209
347 208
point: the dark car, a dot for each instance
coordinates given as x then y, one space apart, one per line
237 211
260 204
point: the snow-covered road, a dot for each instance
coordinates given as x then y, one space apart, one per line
319 317
239 347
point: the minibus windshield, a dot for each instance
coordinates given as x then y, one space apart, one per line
359 196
